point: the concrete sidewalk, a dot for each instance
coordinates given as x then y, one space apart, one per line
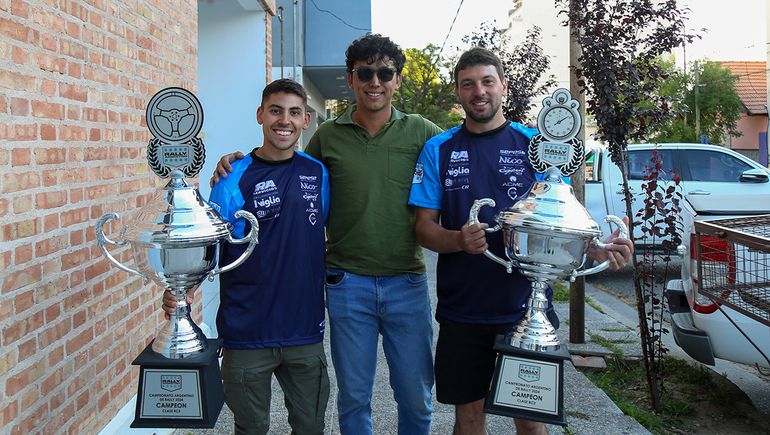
588 409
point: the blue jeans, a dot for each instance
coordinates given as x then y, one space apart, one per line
362 307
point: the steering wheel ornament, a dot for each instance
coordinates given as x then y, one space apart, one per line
174 118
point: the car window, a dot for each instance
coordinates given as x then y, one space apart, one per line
640 160
713 166
591 171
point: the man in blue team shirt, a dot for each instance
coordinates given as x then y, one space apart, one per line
484 157
271 312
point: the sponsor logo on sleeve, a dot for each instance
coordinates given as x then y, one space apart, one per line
419 171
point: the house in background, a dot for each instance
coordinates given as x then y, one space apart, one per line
752 90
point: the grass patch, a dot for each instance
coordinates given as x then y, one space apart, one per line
603 341
560 291
692 397
621 329
593 303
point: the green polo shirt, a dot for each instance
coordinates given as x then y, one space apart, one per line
370 229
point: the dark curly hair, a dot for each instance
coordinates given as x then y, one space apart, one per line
286 86
373 47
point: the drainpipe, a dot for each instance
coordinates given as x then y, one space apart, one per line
280 19
296 41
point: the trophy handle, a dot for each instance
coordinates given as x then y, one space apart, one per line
102 241
251 238
473 218
601 245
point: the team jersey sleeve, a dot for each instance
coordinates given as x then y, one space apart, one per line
426 184
226 197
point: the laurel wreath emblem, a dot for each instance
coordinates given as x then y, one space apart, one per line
190 170
566 169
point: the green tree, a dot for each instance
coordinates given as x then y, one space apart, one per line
426 87
718 105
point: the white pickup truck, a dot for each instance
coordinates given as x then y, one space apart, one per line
705 170
720 307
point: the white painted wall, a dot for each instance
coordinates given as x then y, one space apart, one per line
555 37
231 76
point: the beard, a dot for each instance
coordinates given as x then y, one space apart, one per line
483 117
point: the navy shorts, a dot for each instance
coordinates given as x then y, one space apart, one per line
465 359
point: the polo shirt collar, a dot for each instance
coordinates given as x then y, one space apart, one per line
347 115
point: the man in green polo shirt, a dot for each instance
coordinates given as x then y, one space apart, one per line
376 281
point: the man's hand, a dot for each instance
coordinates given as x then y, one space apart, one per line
170 303
473 238
223 167
618 253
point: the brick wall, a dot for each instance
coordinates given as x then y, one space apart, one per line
75 77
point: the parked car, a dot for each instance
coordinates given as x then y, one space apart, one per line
735 271
705 170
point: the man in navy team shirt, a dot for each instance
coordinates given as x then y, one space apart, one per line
271 312
484 157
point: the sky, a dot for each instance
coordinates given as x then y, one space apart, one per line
736 29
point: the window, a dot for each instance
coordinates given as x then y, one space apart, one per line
713 166
591 172
639 161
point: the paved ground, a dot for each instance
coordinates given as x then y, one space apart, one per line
588 409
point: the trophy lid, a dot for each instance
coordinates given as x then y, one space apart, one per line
177 217
551 206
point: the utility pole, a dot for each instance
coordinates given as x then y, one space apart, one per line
697 107
577 289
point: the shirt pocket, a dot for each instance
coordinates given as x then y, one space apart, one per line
401 163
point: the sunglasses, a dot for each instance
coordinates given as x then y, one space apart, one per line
365 73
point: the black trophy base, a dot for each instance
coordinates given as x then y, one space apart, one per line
528 385
179 393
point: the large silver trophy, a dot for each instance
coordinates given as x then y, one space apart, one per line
546 236
173 240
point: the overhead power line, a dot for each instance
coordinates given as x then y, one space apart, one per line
339 18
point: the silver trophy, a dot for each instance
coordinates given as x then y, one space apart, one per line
546 236
174 237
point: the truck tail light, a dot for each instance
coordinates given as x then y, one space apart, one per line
716 256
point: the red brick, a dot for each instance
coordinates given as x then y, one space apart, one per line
52 313
55 332
49 42
21 328
23 204
10 411
22 277
27 349
76 216
72 133
47 156
14 80
55 356
51 199
19 56
47 132
74 259
23 254
42 109
20 181
95 153
20 230
20 156
74 70
19 106
73 92
73 112
51 222
47 88
47 62
3 212
20 8
14 30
